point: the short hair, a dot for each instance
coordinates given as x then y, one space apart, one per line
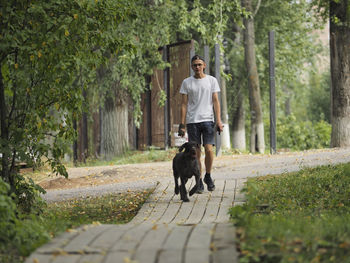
196 57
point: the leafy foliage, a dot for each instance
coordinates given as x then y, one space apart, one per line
294 24
50 53
44 47
319 101
302 135
298 217
19 233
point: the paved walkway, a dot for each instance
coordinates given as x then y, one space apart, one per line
165 230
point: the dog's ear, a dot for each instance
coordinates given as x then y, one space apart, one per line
183 146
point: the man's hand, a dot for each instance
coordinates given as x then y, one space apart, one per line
219 127
181 130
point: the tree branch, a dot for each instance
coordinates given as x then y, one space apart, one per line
257 8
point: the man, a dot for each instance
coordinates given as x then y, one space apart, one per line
199 96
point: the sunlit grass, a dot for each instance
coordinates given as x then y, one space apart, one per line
107 209
297 217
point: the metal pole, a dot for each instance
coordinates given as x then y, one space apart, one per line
207 59
218 77
149 112
192 53
272 92
166 105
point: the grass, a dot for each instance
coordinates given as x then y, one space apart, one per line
296 217
57 217
130 157
107 209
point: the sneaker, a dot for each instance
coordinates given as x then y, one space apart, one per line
209 182
200 189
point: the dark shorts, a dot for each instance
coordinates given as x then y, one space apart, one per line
202 133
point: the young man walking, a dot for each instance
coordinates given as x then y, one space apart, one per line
199 97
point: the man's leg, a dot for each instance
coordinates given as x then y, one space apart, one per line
199 159
200 188
208 139
209 157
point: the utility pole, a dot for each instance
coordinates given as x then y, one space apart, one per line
272 92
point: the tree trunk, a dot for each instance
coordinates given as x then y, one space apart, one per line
257 141
75 143
84 154
5 163
225 138
115 134
238 123
287 102
340 71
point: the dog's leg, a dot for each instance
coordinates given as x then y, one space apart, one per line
195 187
176 178
183 191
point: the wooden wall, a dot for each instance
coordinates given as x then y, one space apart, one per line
151 131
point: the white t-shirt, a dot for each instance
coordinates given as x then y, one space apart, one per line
200 98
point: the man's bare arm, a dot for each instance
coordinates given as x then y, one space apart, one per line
182 127
217 110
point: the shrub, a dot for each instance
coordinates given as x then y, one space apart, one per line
302 135
20 232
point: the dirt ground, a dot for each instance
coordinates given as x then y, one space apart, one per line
101 175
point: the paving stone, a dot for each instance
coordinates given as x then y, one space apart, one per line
170 256
166 230
106 240
184 211
87 234
223 244
148 248
92 258
41 258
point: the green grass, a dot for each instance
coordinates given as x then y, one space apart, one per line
32 231
147 156
296 217
108 209
130 157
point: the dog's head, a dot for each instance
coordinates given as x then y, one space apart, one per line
190 149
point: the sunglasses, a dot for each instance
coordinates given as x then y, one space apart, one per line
197 65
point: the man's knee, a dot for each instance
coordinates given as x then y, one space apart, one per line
208 148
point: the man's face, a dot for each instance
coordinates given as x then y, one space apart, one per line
198 66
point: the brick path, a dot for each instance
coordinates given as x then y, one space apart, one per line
165 230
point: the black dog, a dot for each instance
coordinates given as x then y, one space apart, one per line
185 165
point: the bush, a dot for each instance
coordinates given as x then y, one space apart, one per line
27 195
20 233
302 135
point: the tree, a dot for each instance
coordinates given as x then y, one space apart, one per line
293 24
339 13
44 45
50 53
257 140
